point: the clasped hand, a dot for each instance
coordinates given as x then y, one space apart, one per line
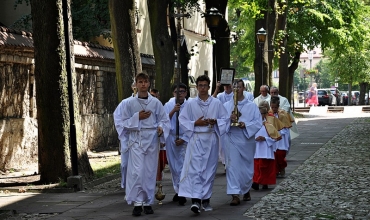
260 138
144 114
205 122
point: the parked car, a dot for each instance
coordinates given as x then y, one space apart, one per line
325 97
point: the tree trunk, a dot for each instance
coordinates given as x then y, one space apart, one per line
126 49
271 20
260 65
184 55
52 93
162 47
361 98
291 70
284 85
222 46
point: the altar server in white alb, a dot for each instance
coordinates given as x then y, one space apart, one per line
240 145
264 159
224 97
147 125
122 136
176 146
203 120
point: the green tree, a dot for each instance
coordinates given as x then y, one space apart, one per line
90 19
308 24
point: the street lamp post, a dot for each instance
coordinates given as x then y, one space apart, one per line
304 92
213 18
261 38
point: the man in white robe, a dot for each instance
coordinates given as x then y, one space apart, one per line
224 97
203 120
147 125
240 146
176 146
265 96
285 105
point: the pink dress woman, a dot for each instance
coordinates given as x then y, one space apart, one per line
312 98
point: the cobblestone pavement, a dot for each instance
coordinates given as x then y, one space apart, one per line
332 184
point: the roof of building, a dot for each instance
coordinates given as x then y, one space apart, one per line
11 37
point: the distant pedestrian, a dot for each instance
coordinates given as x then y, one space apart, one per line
312 98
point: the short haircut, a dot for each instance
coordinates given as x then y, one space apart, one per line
274 87
275 100
263 109
264 104
181 85
141 76
203 78
266 87
154 90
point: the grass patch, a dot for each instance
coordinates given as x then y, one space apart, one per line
297 115
105 166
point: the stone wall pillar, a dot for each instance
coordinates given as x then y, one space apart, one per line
100 92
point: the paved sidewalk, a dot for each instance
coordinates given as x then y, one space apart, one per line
327 177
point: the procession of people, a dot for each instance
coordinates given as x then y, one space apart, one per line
251 137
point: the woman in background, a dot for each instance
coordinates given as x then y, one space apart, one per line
312 99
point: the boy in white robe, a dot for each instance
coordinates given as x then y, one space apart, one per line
203 120
176 146
264 159
240 145
147 125
282 146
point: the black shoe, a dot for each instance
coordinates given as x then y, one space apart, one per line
247 196
137 211
182 200
195 208
148 210
175 198
265 187
255 186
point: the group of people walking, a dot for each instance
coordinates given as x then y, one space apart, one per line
249 137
